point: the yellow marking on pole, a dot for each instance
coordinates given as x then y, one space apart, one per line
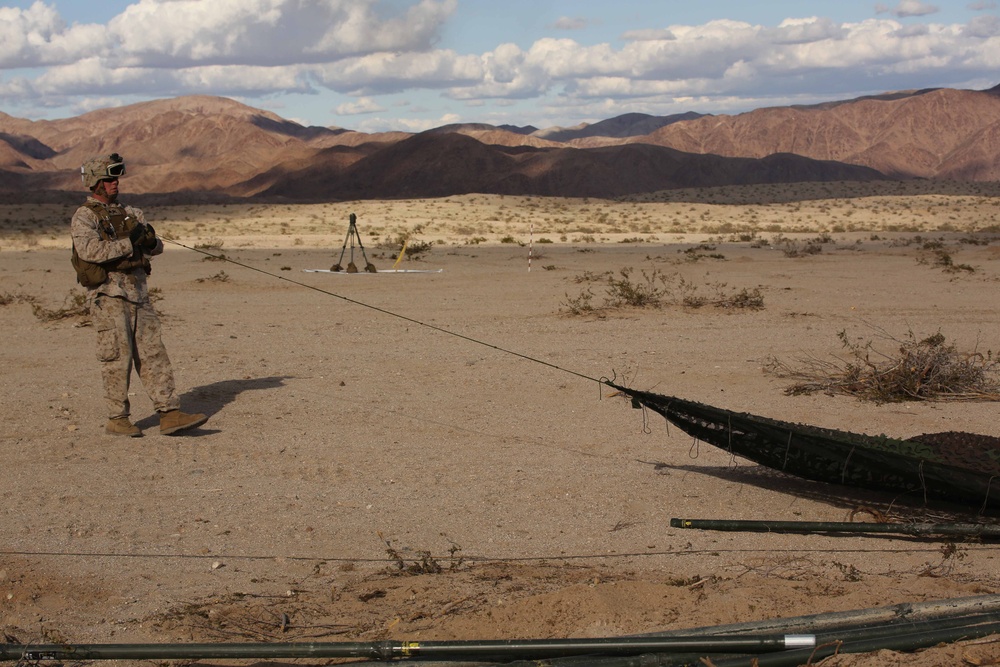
401 252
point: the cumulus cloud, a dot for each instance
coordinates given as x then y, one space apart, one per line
395 72
728 57
983 27
376 124
367 48
982 5
568 23
172 33
90 75
652 34
192 33
907 8
362 105
38 37
224 47
804 31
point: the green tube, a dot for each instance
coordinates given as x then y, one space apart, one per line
901 636
388 650
902 641
942 529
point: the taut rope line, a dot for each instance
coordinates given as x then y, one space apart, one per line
386 312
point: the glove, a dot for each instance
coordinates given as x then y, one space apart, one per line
136 235
142 237
148 241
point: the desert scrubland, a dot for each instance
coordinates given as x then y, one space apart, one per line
430 456
809 208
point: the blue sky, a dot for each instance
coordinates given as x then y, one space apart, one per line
376 65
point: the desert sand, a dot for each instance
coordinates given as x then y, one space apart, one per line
431 456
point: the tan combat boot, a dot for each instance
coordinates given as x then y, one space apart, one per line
173 421
122 426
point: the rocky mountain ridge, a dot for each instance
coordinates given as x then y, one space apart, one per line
201 146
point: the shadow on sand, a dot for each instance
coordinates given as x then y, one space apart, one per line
212 398
849 498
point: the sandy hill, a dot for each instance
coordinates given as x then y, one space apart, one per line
942 133
435 165
197 146
185 143
626 125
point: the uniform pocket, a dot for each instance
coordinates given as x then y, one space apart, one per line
108 348
107 344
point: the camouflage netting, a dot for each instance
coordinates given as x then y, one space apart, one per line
965 450
958 467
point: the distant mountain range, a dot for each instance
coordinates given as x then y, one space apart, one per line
202 148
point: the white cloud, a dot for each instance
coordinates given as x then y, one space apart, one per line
983 27
91 77
907 8
229 47
706 50
38 36
363 105
407 124
394 72
804 31
88 104
912 30
368 48
982 5
242 80
726 57
568 23
173 33
648 34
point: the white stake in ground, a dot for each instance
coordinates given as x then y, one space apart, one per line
531 238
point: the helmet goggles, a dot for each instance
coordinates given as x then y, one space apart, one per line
116 166
104 168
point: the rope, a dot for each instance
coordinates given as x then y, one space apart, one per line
471 558
389 312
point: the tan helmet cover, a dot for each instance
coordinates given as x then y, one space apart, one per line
103 168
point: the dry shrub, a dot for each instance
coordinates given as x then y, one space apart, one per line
626 291
74 305
943 260
220 277
920 370
580 304
654 290
745 298
424 562
7 299
406 242
416 249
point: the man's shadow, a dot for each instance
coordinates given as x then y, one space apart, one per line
211 398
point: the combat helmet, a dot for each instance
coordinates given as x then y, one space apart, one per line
103 168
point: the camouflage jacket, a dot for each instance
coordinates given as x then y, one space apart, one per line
107 249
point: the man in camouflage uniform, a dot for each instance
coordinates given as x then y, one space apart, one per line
112 245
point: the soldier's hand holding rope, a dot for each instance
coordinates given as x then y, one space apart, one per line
143 236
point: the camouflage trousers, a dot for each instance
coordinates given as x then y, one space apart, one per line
128 335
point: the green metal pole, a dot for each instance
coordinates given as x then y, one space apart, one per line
902 641
387 650
942 529
900 635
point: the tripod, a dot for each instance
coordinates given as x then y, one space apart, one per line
352 234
